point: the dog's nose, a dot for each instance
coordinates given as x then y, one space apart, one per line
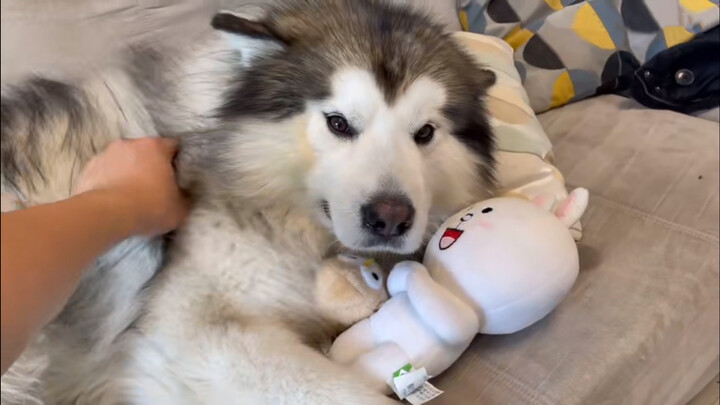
388 215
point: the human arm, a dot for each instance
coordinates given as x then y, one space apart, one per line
127 190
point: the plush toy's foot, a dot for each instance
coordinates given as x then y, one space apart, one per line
576 231
380 364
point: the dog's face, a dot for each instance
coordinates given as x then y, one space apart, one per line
390 111
381 167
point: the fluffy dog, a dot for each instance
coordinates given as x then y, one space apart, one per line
323 125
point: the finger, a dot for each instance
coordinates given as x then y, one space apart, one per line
166 146
169 144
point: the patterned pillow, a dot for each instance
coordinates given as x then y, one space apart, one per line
524 157
565 50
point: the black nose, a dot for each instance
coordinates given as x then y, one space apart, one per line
388 215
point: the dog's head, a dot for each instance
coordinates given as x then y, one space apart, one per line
381 112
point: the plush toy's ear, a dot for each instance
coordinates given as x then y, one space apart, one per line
573 207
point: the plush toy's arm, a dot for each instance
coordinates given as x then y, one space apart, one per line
398 277
453 320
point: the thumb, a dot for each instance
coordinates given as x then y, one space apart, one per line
169 145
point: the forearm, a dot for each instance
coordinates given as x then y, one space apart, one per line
44 250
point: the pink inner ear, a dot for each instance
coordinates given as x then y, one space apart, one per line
565 207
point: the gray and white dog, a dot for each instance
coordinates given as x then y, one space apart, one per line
322 125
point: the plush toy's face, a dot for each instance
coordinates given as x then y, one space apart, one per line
485 252
489 219
466 222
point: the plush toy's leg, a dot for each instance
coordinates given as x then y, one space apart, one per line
352 343
380 364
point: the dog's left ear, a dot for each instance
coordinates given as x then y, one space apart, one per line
236 25
253 38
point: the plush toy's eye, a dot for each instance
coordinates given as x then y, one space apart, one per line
486 210
372 278
466 217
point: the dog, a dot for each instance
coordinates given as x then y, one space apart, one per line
324 125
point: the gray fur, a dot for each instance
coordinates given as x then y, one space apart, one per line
397 44
28 112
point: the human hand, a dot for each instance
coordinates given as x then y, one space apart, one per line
139 175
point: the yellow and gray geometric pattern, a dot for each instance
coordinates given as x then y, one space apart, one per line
565 50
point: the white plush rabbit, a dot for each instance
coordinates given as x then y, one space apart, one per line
495 268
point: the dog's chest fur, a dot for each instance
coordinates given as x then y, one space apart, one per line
245 265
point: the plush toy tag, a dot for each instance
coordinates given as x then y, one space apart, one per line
403 370
425 393
411 384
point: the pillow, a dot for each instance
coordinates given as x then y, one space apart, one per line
443 11
567 50
524 157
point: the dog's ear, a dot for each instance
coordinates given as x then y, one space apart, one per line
486 79
243 27
253 38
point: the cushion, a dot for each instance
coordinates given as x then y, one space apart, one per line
567 49
524 157
641 324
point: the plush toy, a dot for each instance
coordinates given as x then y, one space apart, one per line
349 288
497 267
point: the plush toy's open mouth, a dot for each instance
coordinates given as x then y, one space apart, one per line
449 237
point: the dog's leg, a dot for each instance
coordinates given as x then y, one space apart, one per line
285 371
50 129
237 360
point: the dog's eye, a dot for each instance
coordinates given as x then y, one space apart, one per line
339 126
424 135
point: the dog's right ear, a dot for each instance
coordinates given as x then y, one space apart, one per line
243 27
